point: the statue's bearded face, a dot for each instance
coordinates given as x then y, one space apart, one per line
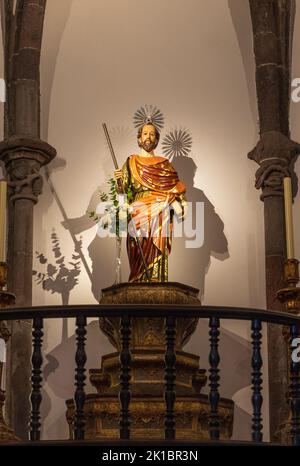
148 140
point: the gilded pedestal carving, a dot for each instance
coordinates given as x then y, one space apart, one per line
147 405
290 296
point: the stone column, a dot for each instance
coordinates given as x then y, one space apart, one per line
23 159
275 153
23 154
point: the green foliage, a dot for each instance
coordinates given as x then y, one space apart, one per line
103 196
129 194
113 211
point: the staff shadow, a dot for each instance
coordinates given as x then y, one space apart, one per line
101 250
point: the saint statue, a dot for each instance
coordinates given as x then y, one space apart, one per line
157 195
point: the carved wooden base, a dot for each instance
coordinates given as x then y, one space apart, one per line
6 433
283 435
148 372
147 417
148 331
147 384
290 295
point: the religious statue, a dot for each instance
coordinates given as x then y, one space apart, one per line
157 195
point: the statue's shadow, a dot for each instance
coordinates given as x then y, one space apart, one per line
186 264
101 250
59 375
59 372
190 264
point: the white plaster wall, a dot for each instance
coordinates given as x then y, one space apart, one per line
193 59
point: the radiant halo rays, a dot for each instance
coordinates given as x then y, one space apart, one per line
148 114
177 143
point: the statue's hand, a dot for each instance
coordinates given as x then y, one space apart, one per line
180 209
176 207
118 174
185 206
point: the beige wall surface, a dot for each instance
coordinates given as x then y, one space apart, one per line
193 59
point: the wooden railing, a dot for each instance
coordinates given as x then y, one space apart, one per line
171 313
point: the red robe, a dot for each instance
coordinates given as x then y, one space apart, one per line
163 186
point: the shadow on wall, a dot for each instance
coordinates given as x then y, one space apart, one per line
235 371
56 18
241 20
59 377
59 277
189 265
186 265
41 234
102 251
58 374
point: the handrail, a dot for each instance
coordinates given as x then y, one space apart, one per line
170 312
153 310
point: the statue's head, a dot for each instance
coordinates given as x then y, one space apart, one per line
148 137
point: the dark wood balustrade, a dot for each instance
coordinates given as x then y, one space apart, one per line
215 314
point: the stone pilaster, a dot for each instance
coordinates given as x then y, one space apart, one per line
272 24
275 154
23 153
23 158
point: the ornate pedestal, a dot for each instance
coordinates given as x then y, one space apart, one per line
290 296
147 405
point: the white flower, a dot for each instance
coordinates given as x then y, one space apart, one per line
121 199
106 220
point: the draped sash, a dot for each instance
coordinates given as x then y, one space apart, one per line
150 213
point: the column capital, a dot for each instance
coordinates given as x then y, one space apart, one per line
275 154
23 157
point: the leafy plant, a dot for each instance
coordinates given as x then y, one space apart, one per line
116 214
